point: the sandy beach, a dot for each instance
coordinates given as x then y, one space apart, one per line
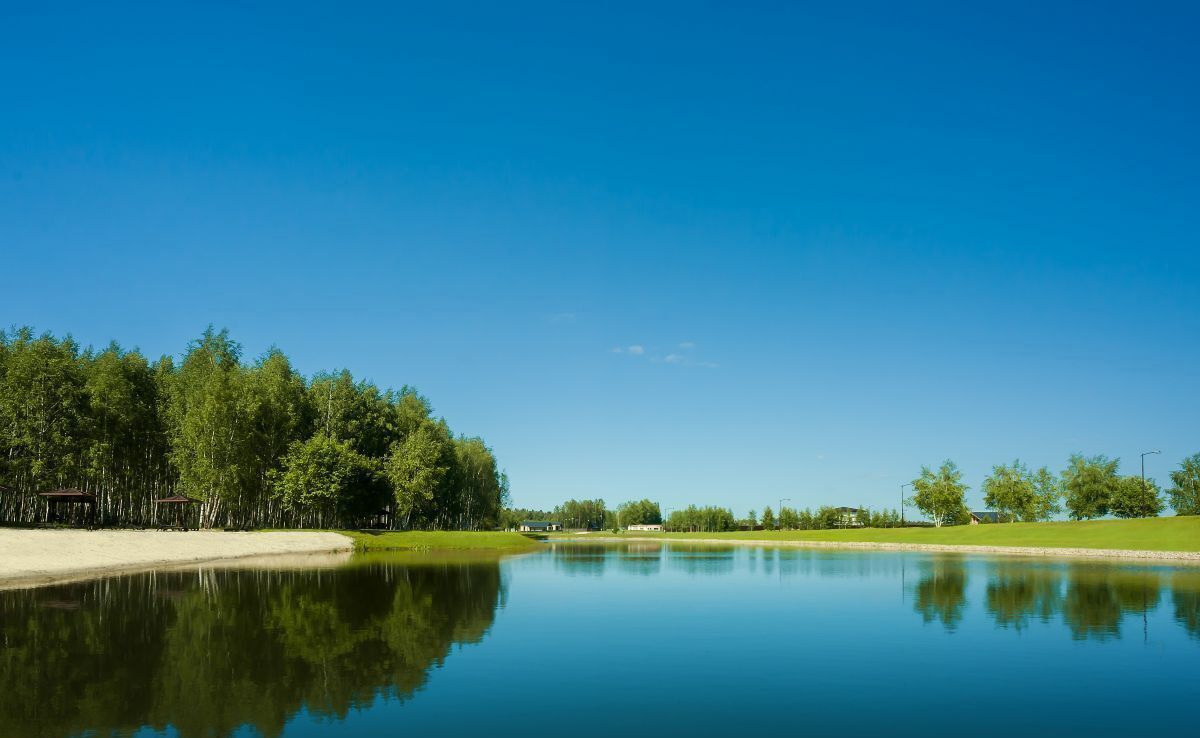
35 557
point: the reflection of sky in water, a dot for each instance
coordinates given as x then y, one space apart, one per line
714 640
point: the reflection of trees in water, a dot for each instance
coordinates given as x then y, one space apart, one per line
209 653
1097 597
1185 596
1017 592
641 559
941 592
580 559
701 559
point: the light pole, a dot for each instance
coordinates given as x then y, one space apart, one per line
779 515
1144 500
906 484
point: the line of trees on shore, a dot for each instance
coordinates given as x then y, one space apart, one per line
257 443
1089 487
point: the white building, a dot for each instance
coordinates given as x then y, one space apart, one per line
646 527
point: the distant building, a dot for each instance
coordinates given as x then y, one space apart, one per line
645 527
848 517
539 526
985 516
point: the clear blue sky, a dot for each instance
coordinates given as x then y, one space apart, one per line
848 241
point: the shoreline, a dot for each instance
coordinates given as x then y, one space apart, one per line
1178 557
33 557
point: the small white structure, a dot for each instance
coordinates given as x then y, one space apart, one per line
539 526
646 527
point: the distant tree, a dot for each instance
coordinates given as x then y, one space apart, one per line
941 495
1130 500
640 512
1009 491
806 519
826 518
768 518
1185 494
1047 493
788 519
1088 485
752 519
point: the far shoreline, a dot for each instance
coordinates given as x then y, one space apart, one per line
1173 557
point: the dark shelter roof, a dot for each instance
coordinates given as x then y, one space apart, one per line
182 499
69 495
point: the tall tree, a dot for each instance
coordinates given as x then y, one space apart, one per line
941 495
210 428
416 468
1088 485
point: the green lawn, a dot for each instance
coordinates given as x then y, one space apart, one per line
438 540
1148 534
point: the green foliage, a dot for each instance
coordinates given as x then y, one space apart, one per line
1130 499
256 443
641 512
1047 493
788 519
702 519
768 519
417 468
1185 494
1009 491
1088 485
941 495
586 514
327 481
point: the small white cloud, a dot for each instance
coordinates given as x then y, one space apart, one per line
687 345
618 350
636 350
673 359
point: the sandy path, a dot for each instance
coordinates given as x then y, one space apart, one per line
1182 557
31 557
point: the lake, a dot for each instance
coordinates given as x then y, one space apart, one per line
592 640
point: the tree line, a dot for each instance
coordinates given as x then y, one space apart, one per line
1089 487
257 443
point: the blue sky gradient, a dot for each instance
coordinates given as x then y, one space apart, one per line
848 241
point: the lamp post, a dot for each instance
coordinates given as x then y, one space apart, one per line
1144 500
779 514
906 484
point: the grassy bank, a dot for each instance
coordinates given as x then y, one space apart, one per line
452 540
1148 534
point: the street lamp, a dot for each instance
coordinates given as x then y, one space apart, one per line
906 484
780 513
1144 496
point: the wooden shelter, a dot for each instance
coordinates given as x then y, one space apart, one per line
59 497
181 503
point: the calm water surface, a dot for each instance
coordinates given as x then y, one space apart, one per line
594 640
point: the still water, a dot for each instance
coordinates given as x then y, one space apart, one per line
592 640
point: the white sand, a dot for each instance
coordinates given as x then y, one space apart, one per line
31 557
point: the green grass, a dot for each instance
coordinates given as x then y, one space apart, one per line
452 540
1148 534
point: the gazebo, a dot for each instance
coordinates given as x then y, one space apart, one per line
60 497
180 502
